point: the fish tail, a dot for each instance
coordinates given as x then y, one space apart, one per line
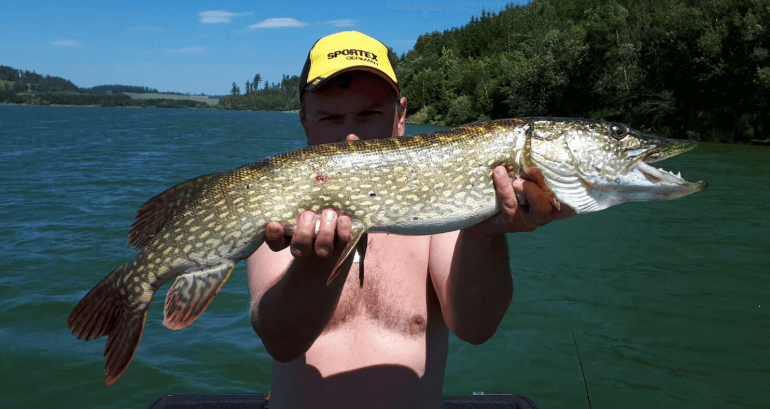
106 310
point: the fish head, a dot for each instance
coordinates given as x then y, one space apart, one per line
591 165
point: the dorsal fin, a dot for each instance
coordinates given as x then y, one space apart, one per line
156 212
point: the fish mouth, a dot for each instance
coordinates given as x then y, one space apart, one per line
665 179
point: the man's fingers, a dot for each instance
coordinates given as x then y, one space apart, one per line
302 240
506 197
536 175
324 242
504 189
274 236
538 200
333 230
344 229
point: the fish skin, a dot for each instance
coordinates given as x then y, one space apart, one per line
198 230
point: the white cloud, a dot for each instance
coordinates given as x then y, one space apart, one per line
66 43
219 16
189 50
341 23
278 23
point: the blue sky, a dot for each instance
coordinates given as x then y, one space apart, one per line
202 47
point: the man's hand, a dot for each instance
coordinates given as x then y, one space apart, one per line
333 234
537 209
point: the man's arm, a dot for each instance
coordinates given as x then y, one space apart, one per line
470 268
290 301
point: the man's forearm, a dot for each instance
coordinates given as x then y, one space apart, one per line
293 312
479 286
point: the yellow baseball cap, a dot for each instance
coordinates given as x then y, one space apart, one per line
346 51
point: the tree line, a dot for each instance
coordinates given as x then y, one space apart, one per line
695 69
103 100
28 81
119 89
29 87
283 96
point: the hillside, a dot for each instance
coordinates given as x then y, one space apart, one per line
154 95
695 69
31 88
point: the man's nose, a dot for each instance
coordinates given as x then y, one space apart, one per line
351 129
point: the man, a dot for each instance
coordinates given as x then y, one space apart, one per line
377 338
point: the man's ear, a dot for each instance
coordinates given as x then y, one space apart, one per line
400 125
303 121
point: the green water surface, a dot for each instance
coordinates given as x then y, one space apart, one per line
668 301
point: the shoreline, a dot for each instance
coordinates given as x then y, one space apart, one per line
293 111
763 143
93 106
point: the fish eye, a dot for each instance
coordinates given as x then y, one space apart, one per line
618 131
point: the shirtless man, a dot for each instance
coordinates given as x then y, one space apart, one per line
377 339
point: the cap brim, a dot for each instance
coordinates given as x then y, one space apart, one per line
322 80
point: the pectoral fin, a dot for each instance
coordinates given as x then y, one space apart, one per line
192 293
355 236
536 176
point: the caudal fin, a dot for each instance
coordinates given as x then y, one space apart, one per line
105 311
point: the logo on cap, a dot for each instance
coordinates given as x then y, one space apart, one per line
351 51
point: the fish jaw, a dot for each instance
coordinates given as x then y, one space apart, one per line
644 183
592 165
663 148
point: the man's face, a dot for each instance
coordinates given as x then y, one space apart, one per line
366 109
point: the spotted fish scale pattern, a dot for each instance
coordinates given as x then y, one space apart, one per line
197 231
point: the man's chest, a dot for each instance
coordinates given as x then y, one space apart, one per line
393 291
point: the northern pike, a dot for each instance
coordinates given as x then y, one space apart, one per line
198 230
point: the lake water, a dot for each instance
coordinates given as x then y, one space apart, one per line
669 302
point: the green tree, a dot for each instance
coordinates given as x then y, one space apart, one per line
278 97
682 68
8 73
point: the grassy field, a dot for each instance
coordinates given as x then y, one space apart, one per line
210 101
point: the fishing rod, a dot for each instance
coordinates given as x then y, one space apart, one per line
580 366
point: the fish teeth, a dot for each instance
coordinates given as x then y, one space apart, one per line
662 174
678 175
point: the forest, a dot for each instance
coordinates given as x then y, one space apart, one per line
31 88
697 69
275 97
